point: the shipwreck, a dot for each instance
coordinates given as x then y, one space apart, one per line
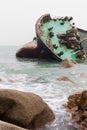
59 38
56 38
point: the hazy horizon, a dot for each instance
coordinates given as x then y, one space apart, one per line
18 17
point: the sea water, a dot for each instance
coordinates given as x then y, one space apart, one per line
41 77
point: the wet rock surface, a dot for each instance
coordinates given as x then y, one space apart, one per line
8 126
77 106
24 109
68 63
66 79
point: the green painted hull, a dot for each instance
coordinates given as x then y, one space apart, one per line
59 38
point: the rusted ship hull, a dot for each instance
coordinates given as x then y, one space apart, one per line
31 50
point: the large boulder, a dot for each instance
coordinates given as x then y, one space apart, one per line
8 126
24 109
31 50
77 106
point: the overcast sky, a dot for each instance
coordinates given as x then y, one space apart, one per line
18 17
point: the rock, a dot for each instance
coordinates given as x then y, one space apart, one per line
24 109
77 106
68 63
0 80
31 50
8 126
83 75
66 79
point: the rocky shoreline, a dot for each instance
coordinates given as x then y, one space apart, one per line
77 106
23 109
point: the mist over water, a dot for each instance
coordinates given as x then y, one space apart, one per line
41 77
18 17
